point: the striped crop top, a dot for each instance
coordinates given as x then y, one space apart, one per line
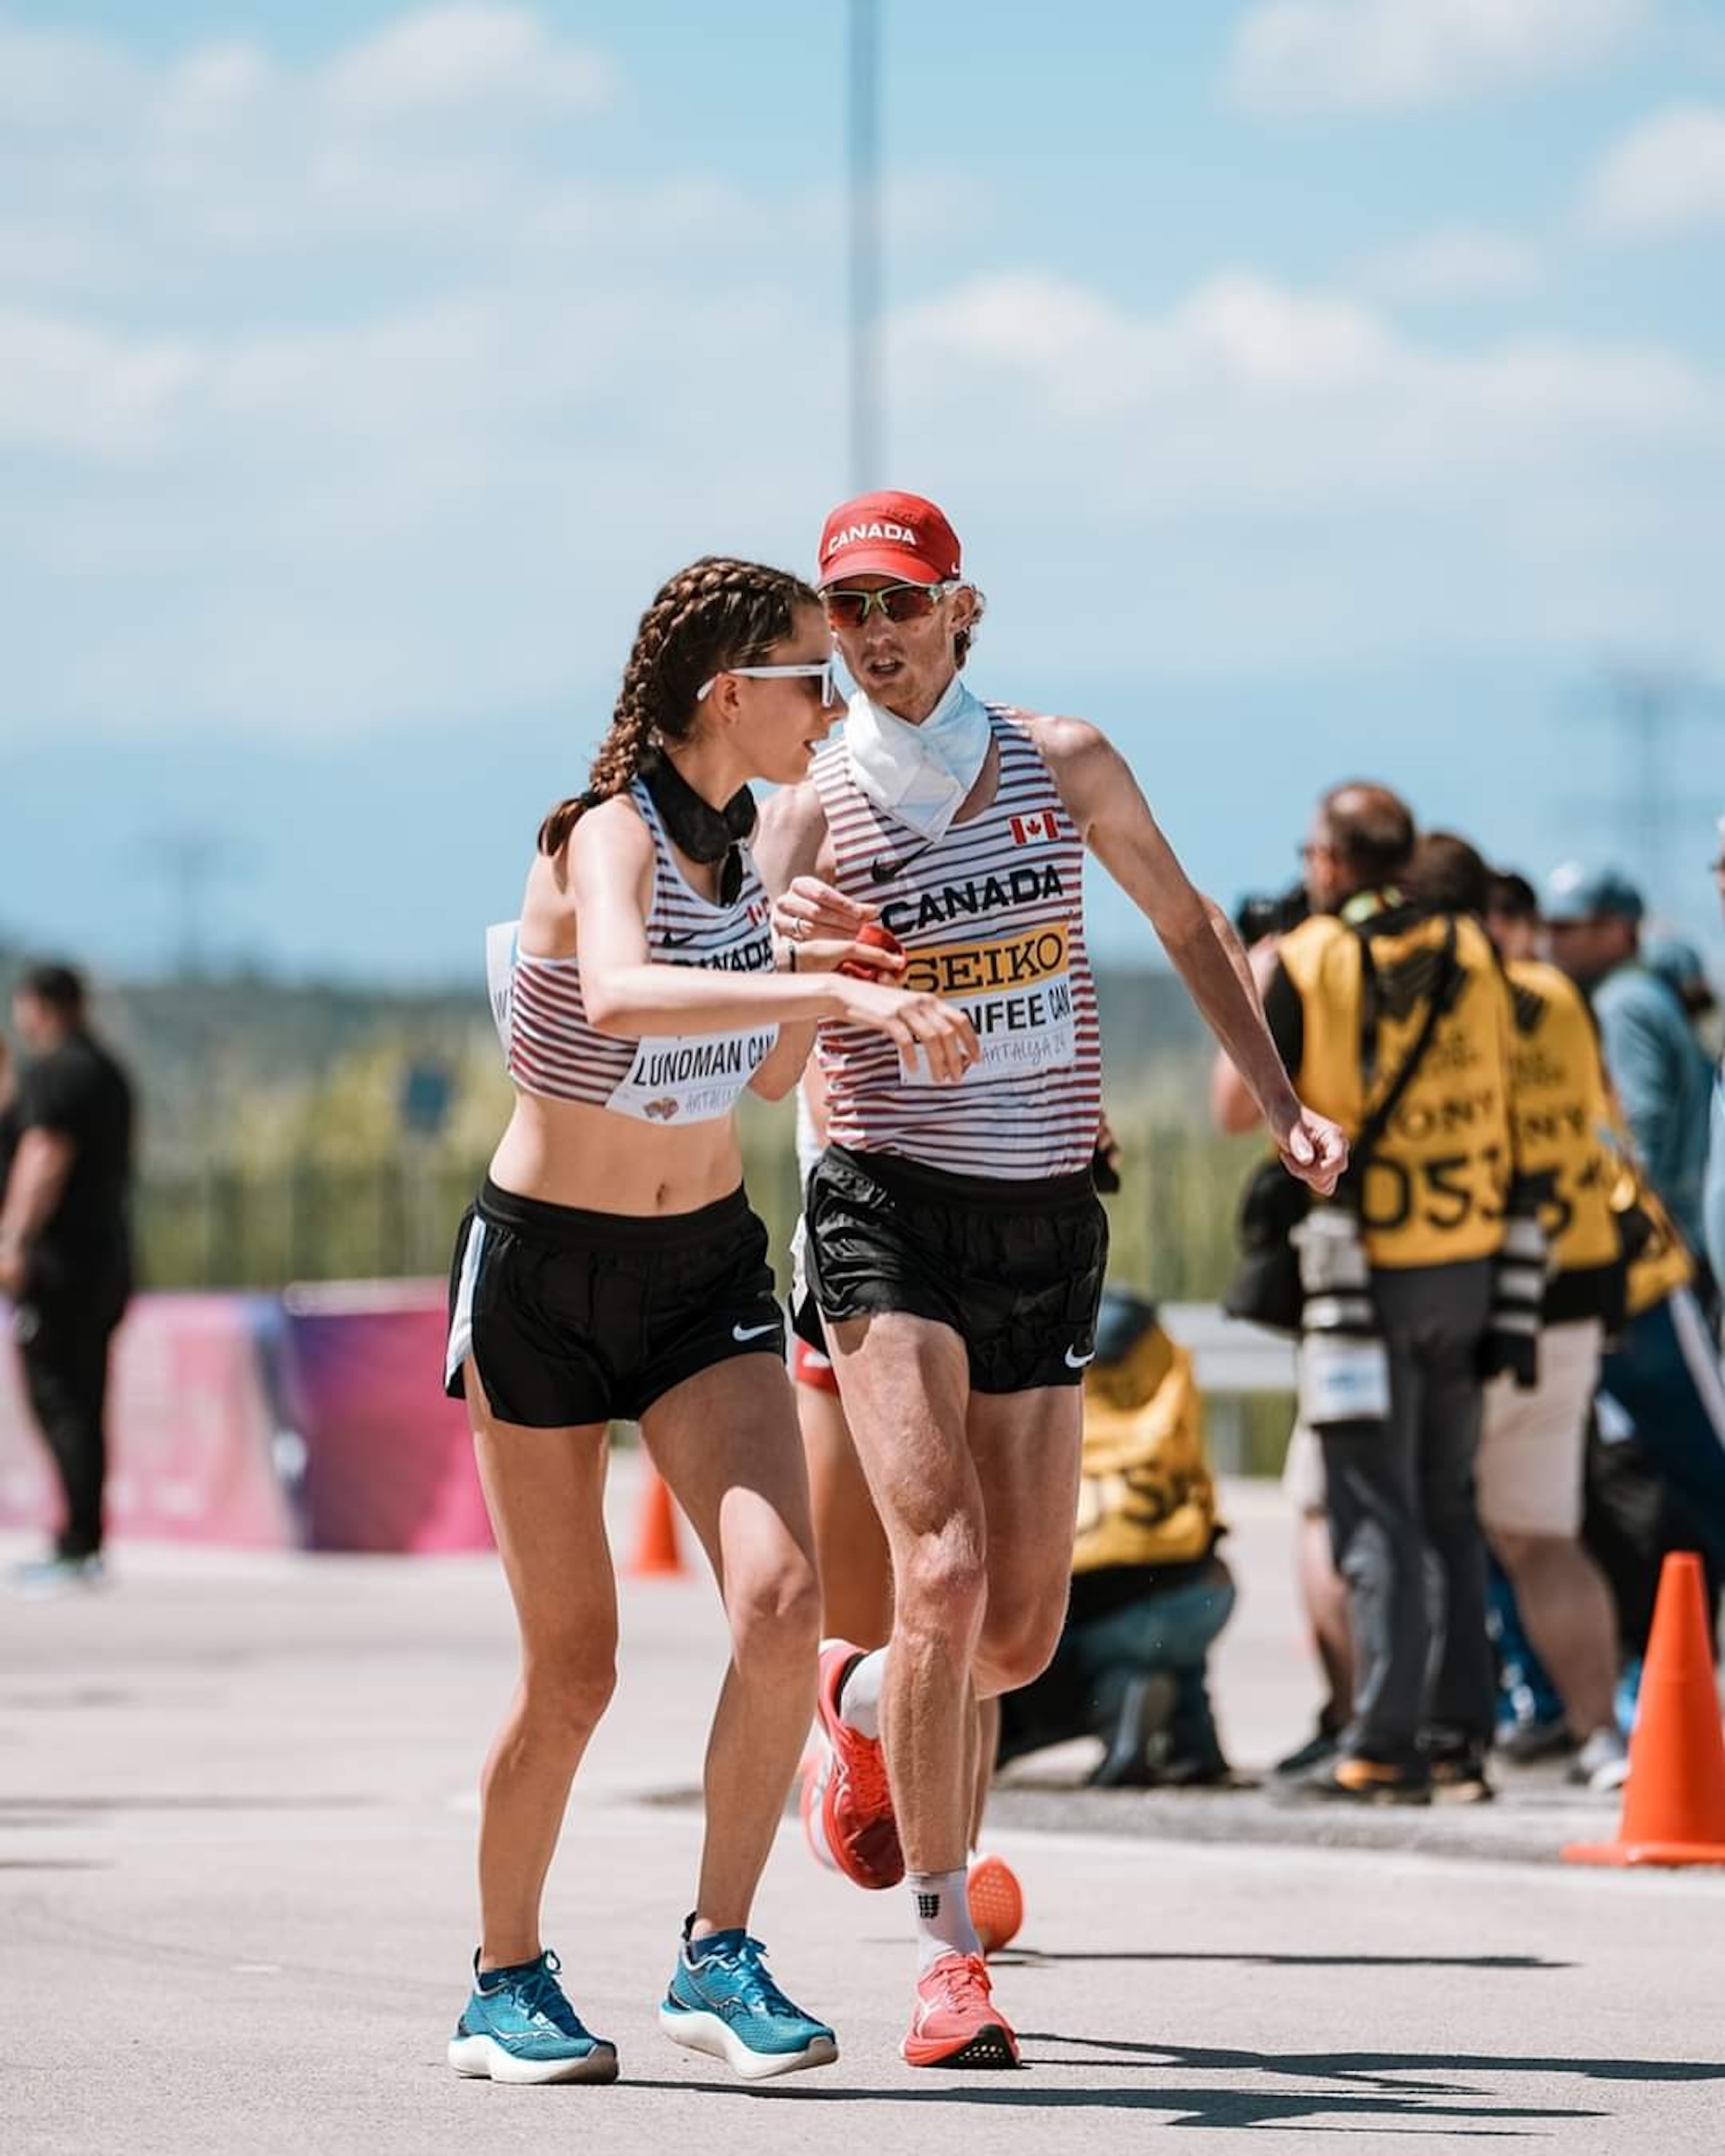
553 1053
990 914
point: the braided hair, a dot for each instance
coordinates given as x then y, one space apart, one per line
717 613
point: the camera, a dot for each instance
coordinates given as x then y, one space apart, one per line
1261 914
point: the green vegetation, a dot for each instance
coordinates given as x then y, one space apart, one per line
276 1147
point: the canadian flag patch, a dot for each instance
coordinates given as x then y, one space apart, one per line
1033 830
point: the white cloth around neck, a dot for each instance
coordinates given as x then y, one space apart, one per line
924 773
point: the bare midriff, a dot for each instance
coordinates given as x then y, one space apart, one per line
565 1153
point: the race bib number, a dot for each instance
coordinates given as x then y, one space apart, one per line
690 1080
1016 991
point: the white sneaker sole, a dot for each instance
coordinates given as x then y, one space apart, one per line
709 2034
814 1815
484 2059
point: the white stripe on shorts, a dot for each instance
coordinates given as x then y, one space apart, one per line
461 1319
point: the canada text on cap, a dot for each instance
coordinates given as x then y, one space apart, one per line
889 534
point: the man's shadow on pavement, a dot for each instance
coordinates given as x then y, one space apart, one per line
1028 1957
1420 2087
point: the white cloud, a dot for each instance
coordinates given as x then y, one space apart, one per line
53 80
1455 262
1366 55
1667 175
457 57
68 390
1281 478
429 130
320 424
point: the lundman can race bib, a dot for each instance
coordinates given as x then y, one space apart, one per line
692 1079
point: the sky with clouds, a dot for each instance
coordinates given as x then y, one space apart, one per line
1320 386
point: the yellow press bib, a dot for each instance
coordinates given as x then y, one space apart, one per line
1146 1496
1558 1106
1435 1186
1662 1264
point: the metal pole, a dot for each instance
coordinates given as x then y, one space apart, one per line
866 449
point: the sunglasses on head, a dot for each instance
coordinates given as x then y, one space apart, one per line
823 670
849 609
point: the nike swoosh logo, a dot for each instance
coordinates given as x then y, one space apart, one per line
1077 1362
673 943
884 871
751 1332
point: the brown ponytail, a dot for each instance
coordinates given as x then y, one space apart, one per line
717 613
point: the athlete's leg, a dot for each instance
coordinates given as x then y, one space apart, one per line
856 1567
1026 1447
986 1743
544 1490
726 1442
906 1383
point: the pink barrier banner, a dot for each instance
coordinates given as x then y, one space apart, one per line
191 1430
388 1461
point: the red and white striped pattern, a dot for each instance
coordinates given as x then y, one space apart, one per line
1016 868
555 1052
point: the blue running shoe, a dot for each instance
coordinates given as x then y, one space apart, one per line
723 2002
518 2026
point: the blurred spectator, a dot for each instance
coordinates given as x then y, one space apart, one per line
1370 998
1512 915
1149 1593
1593 923
66 1248
1677 963
1714 1207
1533 1445
8 1113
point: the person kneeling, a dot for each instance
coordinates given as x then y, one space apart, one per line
1149 1592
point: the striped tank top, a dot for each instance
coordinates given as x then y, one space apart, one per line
990 914
554 1053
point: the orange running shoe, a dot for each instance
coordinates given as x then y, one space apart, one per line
956 2023
846 1801
997 1902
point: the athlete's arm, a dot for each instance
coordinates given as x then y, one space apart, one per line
778 1073
1232 1106
609 881
793 856
791 844
1102 798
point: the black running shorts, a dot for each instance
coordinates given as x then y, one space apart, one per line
1015 1268
573 1317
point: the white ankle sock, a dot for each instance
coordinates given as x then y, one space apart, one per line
858 1703
943 1909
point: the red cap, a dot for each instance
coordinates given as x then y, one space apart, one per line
889 534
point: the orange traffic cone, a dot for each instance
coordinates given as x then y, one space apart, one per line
656 1553
1674 1802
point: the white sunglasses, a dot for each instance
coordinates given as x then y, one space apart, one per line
824 671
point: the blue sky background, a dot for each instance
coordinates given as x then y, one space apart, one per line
1319 387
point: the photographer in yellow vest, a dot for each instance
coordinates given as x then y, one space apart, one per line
1375 1001
1532 1466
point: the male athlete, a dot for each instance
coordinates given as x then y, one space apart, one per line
955 1243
